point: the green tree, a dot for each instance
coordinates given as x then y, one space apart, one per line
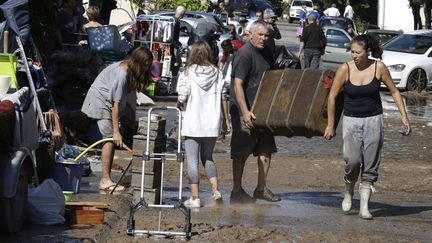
192 5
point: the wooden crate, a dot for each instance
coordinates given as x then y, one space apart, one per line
85 212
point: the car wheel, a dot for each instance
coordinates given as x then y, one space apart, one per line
13 210
290 20
417 80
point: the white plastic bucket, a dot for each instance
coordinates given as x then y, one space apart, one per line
5 82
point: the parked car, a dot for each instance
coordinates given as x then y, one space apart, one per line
296 8
246 6
337 50
16 162
383 35
338 22
409 59
198 15
265 4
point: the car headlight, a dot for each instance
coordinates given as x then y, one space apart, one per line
396 67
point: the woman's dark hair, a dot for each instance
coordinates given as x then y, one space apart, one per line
369 43
138 75
201 54
227 46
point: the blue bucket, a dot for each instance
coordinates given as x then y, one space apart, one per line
68 176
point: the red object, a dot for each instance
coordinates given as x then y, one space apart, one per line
156 69
327 82
237 44
7 123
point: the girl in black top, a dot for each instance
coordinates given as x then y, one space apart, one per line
361 79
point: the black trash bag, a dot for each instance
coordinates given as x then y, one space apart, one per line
286 59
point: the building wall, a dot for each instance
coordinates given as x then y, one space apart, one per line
395 15
120 15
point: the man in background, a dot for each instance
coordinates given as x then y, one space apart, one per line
349 11
312 42
270 18
332 11
175 47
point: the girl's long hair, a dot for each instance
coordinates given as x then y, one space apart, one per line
138 69
200 55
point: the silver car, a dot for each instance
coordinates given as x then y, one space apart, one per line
337 50
190 20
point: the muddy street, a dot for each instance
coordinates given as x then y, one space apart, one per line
307 174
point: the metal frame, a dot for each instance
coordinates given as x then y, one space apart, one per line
147 156
153 19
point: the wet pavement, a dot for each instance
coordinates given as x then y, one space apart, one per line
307 174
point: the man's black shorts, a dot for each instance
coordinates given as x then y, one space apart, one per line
245 141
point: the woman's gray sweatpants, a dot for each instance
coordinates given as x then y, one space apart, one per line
363 139
200 146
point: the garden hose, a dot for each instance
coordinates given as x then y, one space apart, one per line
98 142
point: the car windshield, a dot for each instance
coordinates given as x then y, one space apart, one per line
416 44
301 3
334 23
383 37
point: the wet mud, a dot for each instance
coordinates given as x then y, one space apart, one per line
307 174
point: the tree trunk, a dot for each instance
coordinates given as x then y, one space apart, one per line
427 13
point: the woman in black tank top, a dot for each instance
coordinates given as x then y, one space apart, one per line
361 79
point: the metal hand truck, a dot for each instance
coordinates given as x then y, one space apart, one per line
147 156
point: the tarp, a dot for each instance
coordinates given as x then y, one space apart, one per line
17 17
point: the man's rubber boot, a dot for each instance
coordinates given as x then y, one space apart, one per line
365 190
349 193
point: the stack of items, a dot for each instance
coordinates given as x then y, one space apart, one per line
157 144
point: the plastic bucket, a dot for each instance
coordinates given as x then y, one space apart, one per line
68 176
8 67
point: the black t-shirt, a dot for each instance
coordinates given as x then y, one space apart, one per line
249 65
313 37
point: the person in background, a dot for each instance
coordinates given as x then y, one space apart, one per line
303 15
176 44
93 17
349 11
106 100
258 16
248 66
220 9
200 87
332 11
362 131
229 8
314 11
229 47
312 42
302 20
270 18
66 24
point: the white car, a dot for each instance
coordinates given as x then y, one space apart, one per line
409 59
296 8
